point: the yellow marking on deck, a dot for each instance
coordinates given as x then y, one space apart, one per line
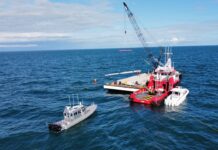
147 97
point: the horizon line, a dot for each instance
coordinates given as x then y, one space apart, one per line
40 50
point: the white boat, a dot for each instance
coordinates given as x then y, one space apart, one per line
72 116
177 96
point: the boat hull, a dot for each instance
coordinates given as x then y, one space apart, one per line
66 124
176 101
90 110
154 99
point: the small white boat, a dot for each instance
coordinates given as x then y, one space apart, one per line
177 96
72 116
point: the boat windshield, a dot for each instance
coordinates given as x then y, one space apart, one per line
176 93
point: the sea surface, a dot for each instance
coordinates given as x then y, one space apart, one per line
34 87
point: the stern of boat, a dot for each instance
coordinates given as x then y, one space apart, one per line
54 127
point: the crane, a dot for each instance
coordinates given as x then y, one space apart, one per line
154 61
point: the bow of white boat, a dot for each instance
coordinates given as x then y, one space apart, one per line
177 96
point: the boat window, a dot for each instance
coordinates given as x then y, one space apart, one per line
176 93
71 114
65 114
75 113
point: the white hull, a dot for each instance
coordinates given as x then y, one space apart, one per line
119 88
173 100
65 124
68 121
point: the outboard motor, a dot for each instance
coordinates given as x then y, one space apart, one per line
54 127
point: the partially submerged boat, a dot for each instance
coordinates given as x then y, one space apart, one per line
162 80
72 116
177 96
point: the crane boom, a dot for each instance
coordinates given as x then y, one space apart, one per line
140 36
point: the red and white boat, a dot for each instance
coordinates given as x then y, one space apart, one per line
162 80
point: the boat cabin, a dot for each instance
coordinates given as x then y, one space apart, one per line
177 91
72 112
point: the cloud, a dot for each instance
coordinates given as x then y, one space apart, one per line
30 36
45 16
17 45
88 25
199 33
36 20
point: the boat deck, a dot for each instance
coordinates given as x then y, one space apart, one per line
143 95
130 84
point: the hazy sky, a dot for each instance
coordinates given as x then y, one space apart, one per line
79 24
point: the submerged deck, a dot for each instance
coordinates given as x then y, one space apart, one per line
130 84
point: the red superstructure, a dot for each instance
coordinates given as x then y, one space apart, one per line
163 78
161 81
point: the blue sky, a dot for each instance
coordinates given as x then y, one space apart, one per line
88 24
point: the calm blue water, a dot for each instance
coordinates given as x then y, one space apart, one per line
34 86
